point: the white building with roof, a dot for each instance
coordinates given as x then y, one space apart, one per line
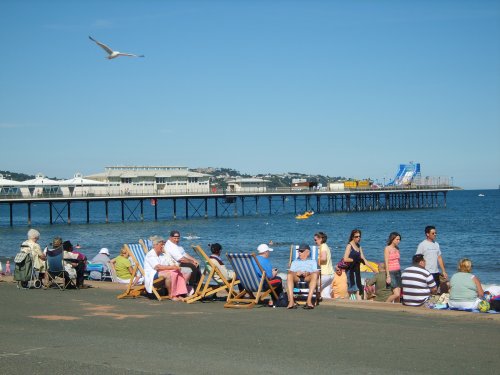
247 185
131 180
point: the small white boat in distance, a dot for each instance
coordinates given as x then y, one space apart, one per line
191 237
480 195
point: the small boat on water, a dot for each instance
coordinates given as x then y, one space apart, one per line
305 215
480 195
191 237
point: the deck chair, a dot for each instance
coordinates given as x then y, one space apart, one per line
55 269
208 284
112 273
146 244
252 285
301 289
136 252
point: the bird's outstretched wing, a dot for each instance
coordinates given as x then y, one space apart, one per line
129 54
103 46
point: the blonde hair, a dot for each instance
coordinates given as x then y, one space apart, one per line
124 251
465 265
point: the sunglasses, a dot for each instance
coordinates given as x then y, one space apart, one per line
302 250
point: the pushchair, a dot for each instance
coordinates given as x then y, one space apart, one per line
25 273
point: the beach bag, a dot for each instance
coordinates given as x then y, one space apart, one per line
495 303
282 300
23 266
343 265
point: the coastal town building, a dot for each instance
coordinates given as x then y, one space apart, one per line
247 185
152 179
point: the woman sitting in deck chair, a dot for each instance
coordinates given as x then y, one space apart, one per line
216 261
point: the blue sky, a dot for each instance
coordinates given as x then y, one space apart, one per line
339 88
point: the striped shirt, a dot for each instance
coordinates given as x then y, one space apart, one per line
417 284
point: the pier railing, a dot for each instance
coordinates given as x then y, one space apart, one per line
116 193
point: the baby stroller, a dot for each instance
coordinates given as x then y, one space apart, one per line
26 275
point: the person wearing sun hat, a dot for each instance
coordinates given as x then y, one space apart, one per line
272 273
101 258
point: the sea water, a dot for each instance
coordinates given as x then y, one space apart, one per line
468 227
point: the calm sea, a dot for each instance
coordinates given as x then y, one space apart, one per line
468 227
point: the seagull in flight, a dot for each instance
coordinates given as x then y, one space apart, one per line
112 54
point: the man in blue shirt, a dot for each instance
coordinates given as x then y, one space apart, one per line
302 269
271 273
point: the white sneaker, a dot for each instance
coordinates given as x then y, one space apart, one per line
190 291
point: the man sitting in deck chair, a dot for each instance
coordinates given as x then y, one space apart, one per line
271 273
157 263
302 269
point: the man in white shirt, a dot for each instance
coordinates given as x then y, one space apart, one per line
431 251
183 258
156 263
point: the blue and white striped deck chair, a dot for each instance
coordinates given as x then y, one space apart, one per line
300 293
146 244
136 252
255 286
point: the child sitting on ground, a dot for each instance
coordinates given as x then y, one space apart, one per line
339 284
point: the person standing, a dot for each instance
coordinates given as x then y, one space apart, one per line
392 267
418 283
185 260
431 251
353 255
325 261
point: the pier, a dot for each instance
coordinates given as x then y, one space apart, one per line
96 209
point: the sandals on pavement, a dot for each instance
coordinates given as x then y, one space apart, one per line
308 307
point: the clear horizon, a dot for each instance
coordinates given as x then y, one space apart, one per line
319 87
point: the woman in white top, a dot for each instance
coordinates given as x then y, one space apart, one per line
325 262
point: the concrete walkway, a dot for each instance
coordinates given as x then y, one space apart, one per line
90 331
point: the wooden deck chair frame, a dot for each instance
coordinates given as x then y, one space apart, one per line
255 287
294 249
146 244
207 285
137 254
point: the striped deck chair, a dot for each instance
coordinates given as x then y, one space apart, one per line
146 244
208 285
255 286
300 292
136 252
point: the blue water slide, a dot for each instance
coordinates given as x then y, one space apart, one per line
399 175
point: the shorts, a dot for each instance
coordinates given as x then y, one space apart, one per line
395 279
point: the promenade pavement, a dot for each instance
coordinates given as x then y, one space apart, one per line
89 332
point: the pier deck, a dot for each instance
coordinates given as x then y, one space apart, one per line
186 205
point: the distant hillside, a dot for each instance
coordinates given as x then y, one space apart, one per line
221 175
276 180
16 176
